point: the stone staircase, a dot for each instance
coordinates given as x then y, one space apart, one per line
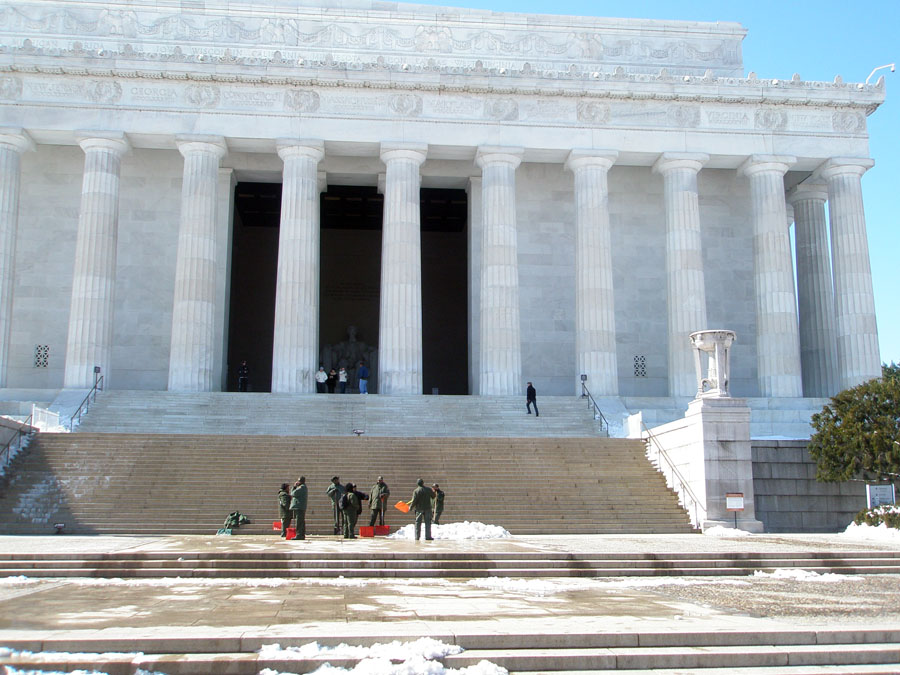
338 415
839 651
143 483
293 562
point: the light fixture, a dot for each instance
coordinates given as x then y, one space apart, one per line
875 70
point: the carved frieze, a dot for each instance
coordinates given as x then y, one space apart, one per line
592 112
770 119
302 100
10 88
502 109
683 116
103 91
848 122
406 105
202 95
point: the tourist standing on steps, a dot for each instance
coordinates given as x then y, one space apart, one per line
284 508
243 376
531 399
298 506
437 503
321 379
378 501
335 491
421 503
363 373
342 379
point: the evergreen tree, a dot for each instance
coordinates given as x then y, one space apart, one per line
857 435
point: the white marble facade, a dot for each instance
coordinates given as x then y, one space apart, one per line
643 138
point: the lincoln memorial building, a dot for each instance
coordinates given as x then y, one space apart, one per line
465 200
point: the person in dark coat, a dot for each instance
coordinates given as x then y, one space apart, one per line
352 503
331 381
421 503
335 491
437 503
284 508
531 399
378 501
243 376
299 498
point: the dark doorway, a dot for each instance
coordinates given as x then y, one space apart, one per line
254 264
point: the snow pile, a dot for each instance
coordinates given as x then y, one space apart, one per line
872 532
719 531
805 575
392 658
454 531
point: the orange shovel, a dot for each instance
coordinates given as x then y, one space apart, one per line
402 506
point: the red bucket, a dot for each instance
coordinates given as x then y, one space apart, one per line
366 531
291 533
381 530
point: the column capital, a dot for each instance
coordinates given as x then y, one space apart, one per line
836 166
16 138
191 143
416 152
111 141
580 158
762 163
808 190
669 161
300 147
499 154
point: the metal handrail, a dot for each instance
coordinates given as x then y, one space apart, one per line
685 492
86 403
598 414
15 437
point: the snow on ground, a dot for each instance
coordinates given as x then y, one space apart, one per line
872 533
454 531
392 658
806 575
719 531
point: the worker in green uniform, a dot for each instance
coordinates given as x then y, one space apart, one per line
378 501
437 503
421 503
351 510
335 491
298 506
284 508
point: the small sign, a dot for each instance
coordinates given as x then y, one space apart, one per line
734 501
876 495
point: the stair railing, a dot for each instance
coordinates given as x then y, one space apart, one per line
19 433
598 415
671 472
86 403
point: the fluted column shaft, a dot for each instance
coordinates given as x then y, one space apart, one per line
815 297
859 359
13 142
595 312
89 341
685 282
295 347
501 348
400 320
777 331
193 310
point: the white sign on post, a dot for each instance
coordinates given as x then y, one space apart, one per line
876 495
734 501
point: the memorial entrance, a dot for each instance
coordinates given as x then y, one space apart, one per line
349 282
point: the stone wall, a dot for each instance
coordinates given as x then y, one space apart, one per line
790 499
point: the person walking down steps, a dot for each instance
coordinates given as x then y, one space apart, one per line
531 400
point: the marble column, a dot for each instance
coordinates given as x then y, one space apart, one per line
815 295
400 320
90 335
191 354
501 346
685 283
13 142
295 354
595 311
859 358
777 331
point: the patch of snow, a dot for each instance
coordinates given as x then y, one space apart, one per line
454 532
719 531
393 658
652 582
806 576
872 532
535 587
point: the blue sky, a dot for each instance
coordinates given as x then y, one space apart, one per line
818 40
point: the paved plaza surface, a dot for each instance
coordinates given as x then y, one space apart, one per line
262 610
